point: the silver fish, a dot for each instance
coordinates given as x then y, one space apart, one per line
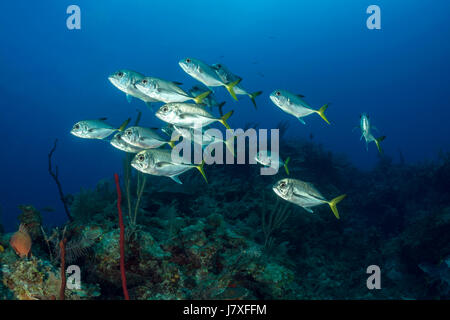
95 129
266 159
189 115
207 75
159 162
228 77
294 104
366 129
125 81
167 91
144 138
118 143
304 195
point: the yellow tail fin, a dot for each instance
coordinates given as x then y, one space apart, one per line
200 168
378 141
321 113
253 96
199 99
333 204
286 165
124 125
230 87
224 119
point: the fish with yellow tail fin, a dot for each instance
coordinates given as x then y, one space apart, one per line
294 104
269 159
366 133
1 249
189 115
304 195
125 80
118 143
96 129
159 162
144 138
207 75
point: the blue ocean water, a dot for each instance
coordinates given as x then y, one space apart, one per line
53 77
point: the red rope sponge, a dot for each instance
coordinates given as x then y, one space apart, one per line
122 239
62 247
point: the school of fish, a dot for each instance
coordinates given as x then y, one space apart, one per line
188 111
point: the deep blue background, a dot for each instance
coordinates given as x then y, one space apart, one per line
53 77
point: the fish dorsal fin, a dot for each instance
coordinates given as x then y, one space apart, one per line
103 119
300 95
177 83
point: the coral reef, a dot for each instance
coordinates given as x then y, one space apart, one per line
235 240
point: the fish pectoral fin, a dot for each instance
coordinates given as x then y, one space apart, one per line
129 98
308 209
301 120
176 179
362 135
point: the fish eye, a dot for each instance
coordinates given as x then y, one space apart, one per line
128 132
278 93
219 66
120 74
282 184
141 157
76 127
165 109
145 81
188 60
